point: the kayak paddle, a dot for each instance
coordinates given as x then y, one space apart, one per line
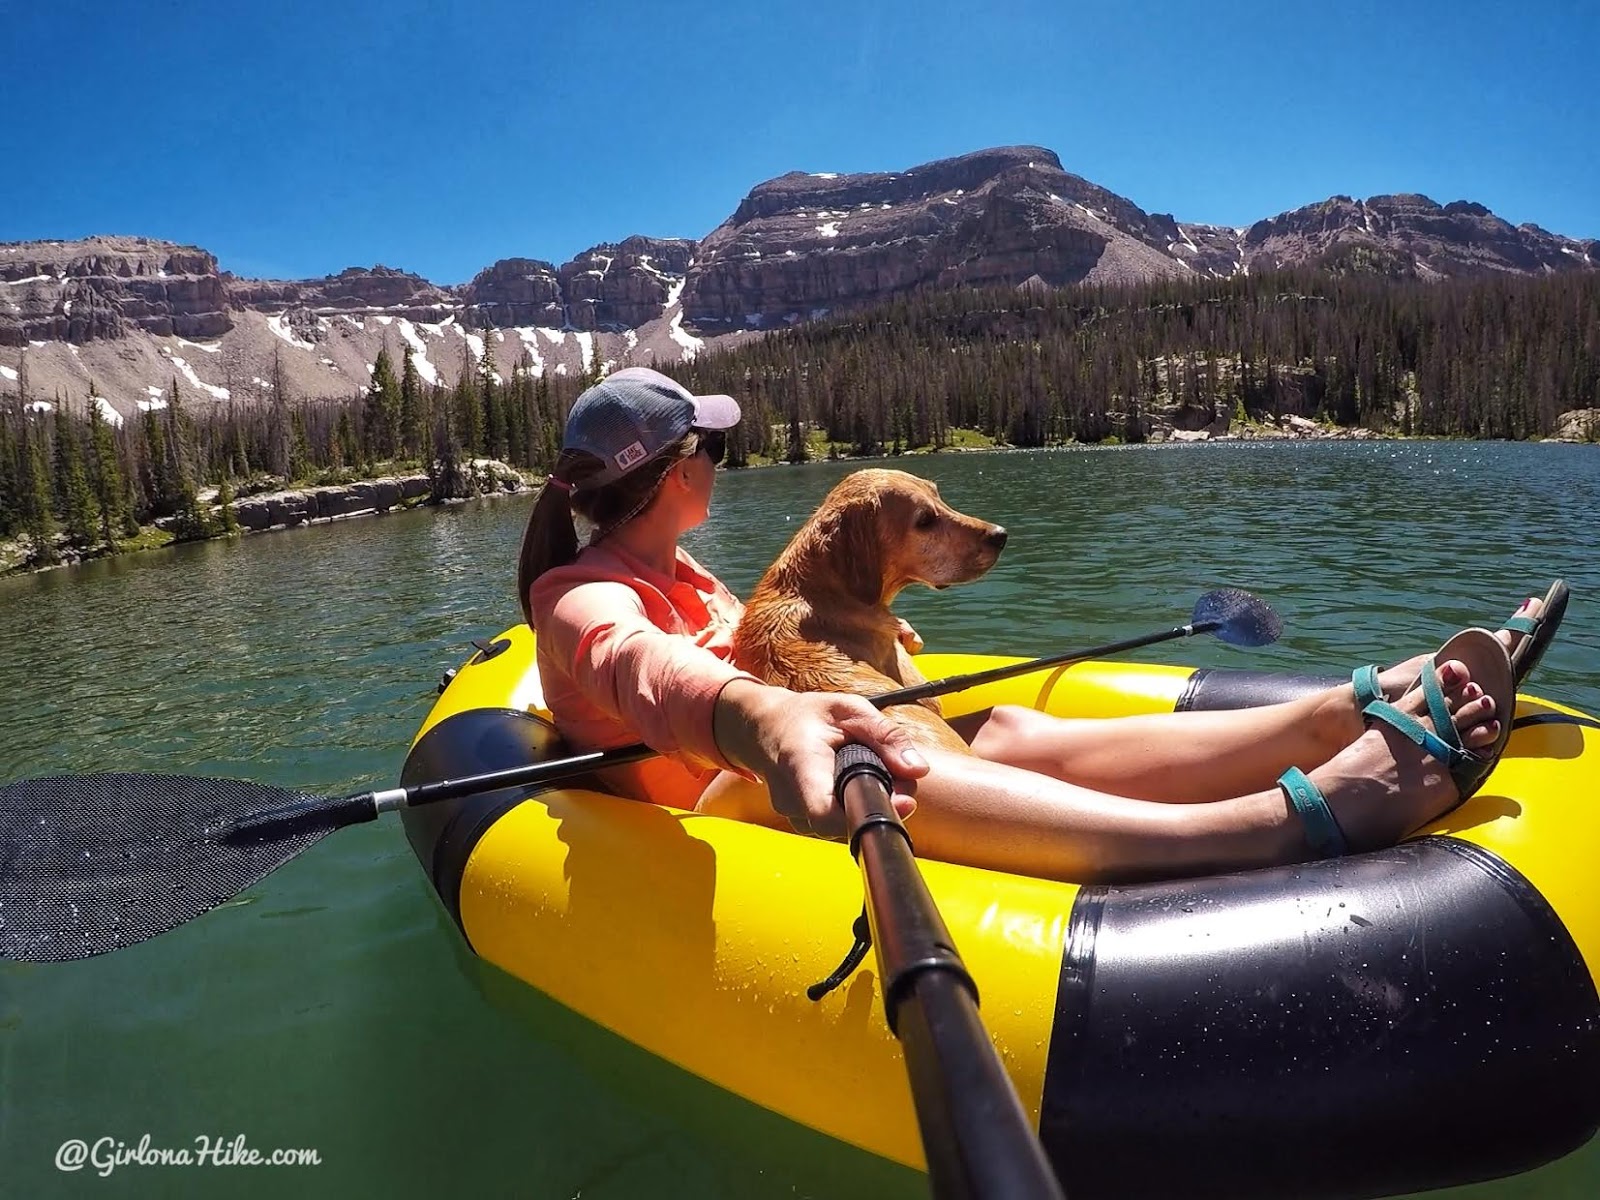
92 863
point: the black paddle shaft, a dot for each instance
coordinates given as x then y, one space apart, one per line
977 1137
940 687
1233 615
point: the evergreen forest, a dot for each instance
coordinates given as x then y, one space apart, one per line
1500 357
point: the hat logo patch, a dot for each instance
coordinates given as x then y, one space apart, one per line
631 456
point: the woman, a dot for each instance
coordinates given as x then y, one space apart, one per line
634 639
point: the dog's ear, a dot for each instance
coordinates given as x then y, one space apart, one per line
856 548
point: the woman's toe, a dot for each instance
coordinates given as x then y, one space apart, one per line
1511 638
1475 721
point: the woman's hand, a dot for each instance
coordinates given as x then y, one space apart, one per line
789 739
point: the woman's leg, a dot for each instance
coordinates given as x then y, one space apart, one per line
1181 758
992 815
1190 757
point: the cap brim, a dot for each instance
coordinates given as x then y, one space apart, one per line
715 412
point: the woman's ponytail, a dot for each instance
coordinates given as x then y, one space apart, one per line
551 537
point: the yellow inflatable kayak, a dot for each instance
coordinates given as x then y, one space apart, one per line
1386 1022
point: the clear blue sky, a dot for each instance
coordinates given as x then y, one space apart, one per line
297 138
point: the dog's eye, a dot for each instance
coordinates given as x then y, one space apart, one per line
926 519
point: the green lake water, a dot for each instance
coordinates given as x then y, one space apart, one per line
332 1008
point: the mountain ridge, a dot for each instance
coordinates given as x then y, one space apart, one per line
133 314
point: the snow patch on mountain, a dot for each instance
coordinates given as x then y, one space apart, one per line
529 336
419 356
691 344
218 393
280 326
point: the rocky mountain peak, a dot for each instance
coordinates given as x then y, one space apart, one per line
1408 234
803 244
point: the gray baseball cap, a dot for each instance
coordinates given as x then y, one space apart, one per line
632 415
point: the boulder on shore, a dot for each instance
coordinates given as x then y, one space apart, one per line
1578 425
298 506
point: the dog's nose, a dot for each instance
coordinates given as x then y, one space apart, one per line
996 537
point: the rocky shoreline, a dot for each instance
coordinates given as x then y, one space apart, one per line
1288 428
288 508
1575 427
291 507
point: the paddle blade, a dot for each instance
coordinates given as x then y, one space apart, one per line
92 863
1243 619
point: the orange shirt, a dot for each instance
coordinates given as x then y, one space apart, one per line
626 654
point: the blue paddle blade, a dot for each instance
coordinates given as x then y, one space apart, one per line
1243 620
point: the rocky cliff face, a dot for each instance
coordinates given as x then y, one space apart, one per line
353 290
624 285
516 291
107 287
134 315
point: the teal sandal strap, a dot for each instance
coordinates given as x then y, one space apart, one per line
1523 624
1444 723
1323 834
1416 731
1365 680
1442 741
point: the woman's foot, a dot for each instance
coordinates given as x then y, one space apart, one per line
1382 786
1341 716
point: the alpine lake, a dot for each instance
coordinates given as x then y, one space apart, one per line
332 1006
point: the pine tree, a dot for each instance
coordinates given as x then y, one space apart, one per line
299 447
37 519
595 370
279 436
155 465
381 413
413 408
494 417
167 484
347 441
10 502
106 474
518 399
548 424
179 442
80 511
446 479
468 409
798 451
228 513
431 403
130 507
58 479
239 456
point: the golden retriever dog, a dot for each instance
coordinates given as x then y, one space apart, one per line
819 620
